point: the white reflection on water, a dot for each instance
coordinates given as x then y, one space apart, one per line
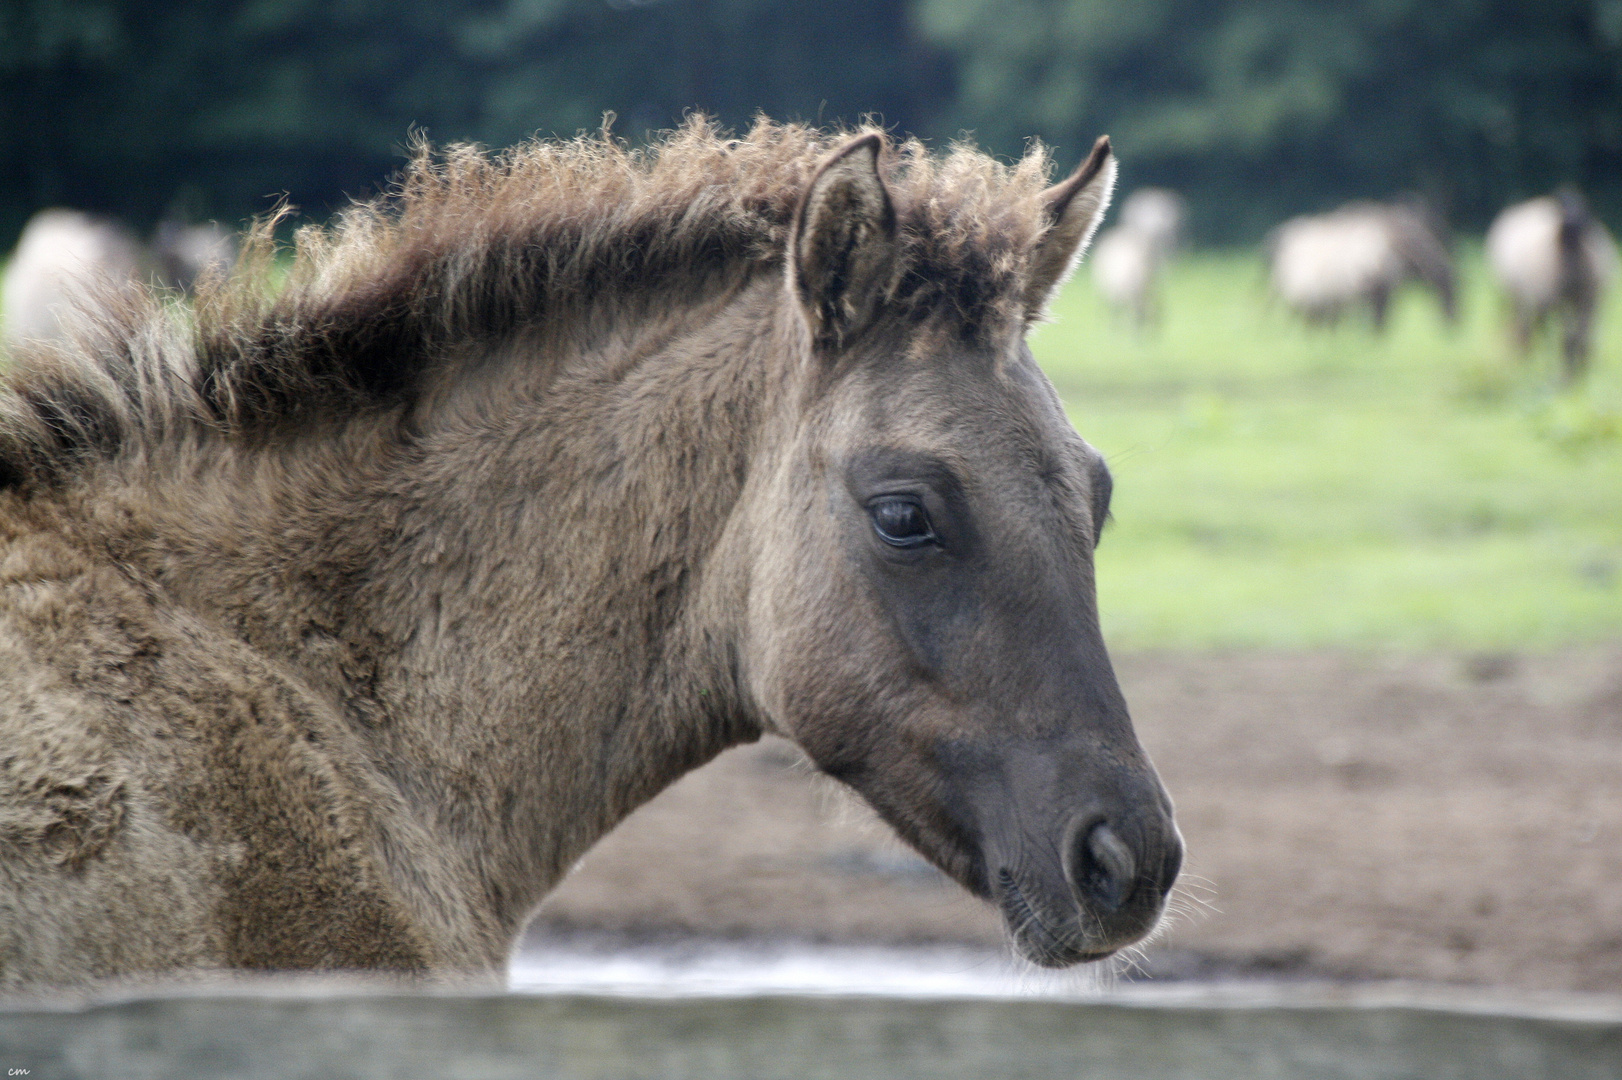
706 969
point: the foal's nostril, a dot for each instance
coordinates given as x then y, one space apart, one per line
1102 868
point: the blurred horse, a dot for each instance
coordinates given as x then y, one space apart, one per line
1323 265
63 256
1157 214
1551 255
185 252
1128 259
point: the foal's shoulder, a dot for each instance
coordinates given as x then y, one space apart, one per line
63 600
97 654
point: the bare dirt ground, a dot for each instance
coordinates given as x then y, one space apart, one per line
1442 818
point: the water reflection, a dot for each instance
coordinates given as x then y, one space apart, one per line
708 968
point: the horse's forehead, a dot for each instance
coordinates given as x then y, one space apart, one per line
963 401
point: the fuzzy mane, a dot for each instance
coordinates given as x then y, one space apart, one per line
470 247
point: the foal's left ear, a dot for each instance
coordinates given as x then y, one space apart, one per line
842 249
1074 208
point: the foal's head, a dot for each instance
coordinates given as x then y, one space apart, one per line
922 614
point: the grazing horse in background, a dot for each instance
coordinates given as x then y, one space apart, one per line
60 254
63 254
1326 264
340 621
1128 259
1158 214
1552 255
186 252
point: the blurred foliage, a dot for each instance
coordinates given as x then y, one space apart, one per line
1274 106
1257 108
203 107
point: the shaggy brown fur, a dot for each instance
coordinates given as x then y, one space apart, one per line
472 249
338 621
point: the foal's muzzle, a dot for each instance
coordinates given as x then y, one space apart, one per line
1114 877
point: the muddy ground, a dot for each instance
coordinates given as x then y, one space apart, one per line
1443 818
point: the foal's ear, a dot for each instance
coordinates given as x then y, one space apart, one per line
842 248
1074 208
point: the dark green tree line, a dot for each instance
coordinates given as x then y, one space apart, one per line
126 106
1256 108
1264 107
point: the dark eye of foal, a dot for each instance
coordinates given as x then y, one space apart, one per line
901 523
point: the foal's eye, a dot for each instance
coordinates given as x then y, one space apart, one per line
901 523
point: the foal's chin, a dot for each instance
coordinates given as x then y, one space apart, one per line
1044 944
1075 936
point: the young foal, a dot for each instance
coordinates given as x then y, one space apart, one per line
338 624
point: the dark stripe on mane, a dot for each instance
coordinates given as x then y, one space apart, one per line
472 248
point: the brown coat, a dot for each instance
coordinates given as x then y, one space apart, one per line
335 627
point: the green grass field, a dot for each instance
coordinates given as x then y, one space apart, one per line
1282 486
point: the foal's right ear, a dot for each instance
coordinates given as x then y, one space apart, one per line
842 246
1073 209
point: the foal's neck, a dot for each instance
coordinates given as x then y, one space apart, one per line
547 638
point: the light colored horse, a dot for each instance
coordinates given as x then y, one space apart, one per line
60 255
337 624
186 252
1323 265
1128 259
1158 214
64 255
1552 256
